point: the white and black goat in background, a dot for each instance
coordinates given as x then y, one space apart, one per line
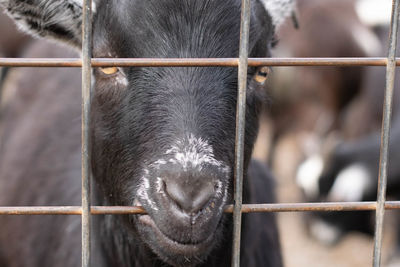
162 138
348 170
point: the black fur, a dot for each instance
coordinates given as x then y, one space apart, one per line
40 165
58 19
162 105
139 113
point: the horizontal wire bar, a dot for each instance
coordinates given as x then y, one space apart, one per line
246 208
192 62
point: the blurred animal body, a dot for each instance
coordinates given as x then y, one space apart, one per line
12 42
349 170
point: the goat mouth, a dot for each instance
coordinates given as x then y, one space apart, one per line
175 247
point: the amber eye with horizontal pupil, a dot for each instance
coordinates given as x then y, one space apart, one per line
262 74
109 70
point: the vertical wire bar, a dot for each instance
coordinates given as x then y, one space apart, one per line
86 100
387 113
240 129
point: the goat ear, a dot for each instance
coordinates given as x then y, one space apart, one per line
279 10
55 19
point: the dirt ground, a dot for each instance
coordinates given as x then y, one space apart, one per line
299 250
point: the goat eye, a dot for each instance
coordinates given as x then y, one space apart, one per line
109 70
262 74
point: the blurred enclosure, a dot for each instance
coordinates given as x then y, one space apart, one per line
314 109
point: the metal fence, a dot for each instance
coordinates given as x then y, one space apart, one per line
86 210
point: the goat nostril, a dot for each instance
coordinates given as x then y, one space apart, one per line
190 200
216 186
164 186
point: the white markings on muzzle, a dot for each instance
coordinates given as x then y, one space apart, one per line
160 186
308 175
221 191
143 189
350 184
192 152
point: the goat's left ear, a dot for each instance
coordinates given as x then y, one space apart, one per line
55 19
279 10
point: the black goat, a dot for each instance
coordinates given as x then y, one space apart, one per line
162 138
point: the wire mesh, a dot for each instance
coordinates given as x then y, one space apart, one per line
86 210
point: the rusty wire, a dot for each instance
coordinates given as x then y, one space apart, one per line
194 62
86 105
86 63
240 130
246 208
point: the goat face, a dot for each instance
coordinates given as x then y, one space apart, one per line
164 137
